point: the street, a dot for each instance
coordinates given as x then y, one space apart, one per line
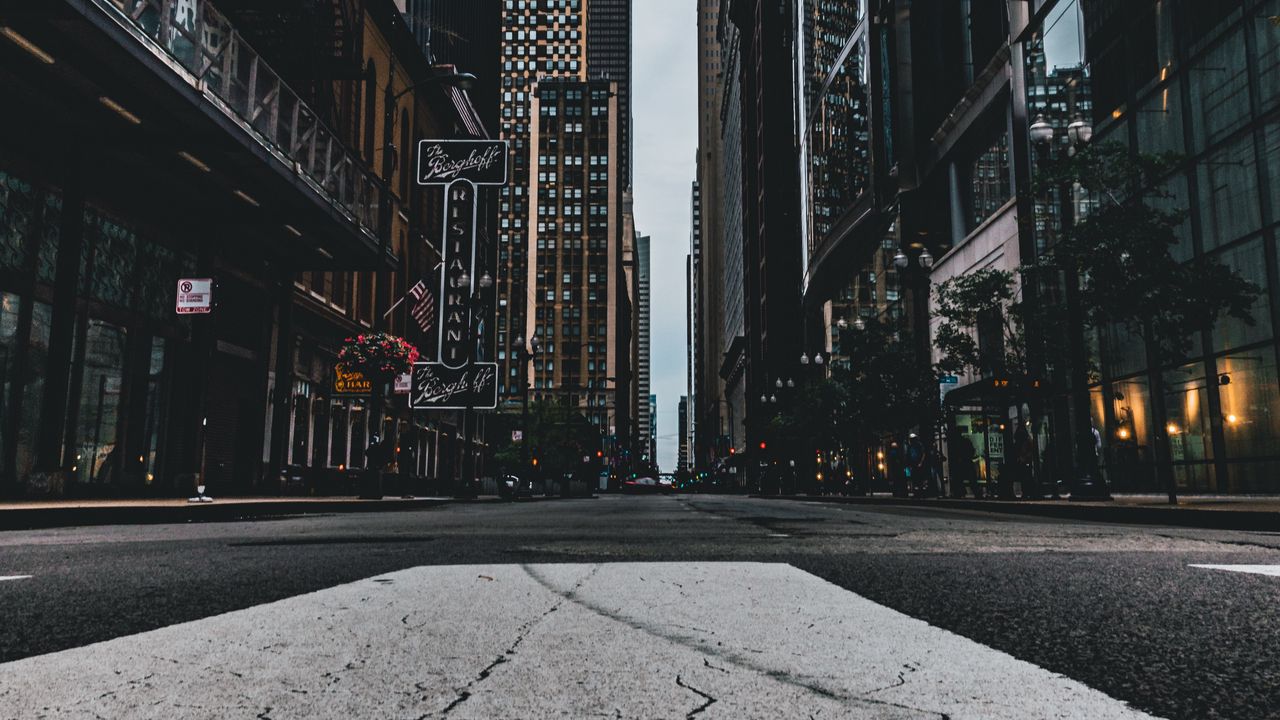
639 607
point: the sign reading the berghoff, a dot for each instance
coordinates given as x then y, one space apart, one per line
456 380
482 162
437 387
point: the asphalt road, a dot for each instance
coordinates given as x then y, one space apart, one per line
1119 609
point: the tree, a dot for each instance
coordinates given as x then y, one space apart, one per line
1122 252
558 435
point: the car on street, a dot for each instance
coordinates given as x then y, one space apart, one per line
512 487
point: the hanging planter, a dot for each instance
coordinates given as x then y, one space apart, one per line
378 356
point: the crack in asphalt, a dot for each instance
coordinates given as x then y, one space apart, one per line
523 632
709 700
720 653
902 679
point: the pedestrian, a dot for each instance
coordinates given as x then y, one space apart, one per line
917 465
935 460
895 463
1024 461
962 468
408 465
374 457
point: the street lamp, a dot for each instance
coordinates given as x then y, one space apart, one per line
859 324
526 356
926 259
1079 132
1089 483
900 260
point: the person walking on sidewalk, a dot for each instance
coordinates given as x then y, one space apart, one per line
962 469
1024 459
917 466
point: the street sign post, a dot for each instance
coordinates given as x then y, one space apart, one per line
195 296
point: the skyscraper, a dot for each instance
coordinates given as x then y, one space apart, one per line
645 415
609 58
560 218
572 276
706 411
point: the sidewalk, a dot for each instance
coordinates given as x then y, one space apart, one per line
1217 512
27 515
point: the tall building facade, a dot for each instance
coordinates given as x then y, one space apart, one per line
682 422
644 410
652 442
573 274
710 447
732 369
694 375
771 257
609 57
562 272
107 391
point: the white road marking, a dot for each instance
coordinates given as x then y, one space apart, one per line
13 577
1273 570
630 640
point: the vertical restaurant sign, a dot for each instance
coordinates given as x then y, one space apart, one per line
455 380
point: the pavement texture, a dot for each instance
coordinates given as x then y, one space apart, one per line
717 640
1008 611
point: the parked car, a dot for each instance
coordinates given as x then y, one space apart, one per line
512 487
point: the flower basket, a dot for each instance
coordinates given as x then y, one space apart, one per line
378 356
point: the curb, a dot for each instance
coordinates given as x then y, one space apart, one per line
55 517
1249 520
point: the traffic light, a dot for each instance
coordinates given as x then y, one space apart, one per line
535 462
763 445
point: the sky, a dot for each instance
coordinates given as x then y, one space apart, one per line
664 102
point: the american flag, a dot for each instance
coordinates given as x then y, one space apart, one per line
424 306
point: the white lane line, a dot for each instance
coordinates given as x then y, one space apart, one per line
1272 570
13 577
724 640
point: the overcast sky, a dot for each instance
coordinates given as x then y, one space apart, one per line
666 126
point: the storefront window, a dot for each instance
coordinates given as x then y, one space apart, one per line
1267 54
1229 203
1219 92
359 433
17 210
301 423
1159 121
155 404
1271 156
1250 262
1128 443
9 308
97 459
1250 403
1187 406
341 434
320 433
33 389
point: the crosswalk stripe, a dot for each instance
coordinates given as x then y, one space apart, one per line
631 640
13 577
1273 570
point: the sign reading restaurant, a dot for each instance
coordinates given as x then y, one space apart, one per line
457 380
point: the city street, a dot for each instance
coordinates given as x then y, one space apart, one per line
640 607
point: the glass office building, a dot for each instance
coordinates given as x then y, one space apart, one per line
1200 80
